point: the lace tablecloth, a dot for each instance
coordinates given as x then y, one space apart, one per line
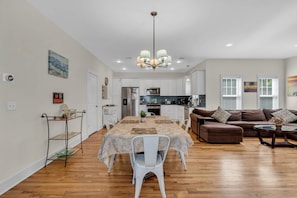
118 139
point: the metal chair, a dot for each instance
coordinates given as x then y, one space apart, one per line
113 157
185 124
151 160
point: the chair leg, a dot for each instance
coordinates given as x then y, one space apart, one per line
112 159
182 156
139 175
161 182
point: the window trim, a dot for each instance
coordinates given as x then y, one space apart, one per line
239 88
275 91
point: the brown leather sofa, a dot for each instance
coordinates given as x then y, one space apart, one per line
240 124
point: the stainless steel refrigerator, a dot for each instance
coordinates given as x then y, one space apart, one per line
130 101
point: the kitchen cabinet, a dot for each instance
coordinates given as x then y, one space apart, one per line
172 87
130 83
110 115
169 111
168 87
198 82
180 87
148 83
174 112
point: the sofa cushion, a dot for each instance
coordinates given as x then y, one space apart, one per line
221 115
216 132
235 115
203 112
248 125
253 115
286 115
268 113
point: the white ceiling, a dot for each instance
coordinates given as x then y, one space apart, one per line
190 30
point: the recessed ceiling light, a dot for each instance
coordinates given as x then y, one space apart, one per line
119 61
296 45
124 68
172 68
178 61
229 45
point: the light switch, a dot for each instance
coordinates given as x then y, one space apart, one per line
11 105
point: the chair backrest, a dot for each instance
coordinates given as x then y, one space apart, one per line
151 145
185 124
109 126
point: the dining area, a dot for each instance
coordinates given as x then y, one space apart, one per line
158 134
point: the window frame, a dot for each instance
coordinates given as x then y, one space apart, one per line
274 91
239 90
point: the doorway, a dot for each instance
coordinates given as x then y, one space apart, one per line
92 103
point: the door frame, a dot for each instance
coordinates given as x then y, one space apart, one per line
92 75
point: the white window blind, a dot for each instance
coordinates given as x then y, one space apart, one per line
231 92
268 93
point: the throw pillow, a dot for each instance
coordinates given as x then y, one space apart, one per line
268 113
235 115
253 115
203 112
286 115
221 115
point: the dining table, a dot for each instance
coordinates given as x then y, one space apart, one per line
118 139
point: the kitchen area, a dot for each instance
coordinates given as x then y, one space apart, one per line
175 97
175 107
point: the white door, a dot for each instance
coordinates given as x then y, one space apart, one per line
92 106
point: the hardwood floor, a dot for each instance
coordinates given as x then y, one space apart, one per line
214 170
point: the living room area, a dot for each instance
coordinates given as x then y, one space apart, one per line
214 169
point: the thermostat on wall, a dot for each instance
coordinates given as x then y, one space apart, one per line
8 77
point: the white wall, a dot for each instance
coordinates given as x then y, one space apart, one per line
291 70
249 70
26 36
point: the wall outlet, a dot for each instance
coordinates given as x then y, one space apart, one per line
11 105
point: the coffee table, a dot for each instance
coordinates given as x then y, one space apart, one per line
273 131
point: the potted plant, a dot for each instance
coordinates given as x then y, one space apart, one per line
142 115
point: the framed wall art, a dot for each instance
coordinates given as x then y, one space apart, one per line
57 65
292 86
58 98
250 86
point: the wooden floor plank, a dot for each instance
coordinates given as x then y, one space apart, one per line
214 170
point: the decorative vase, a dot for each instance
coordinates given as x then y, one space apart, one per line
142 119
278 127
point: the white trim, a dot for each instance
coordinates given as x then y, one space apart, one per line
12 181
239 90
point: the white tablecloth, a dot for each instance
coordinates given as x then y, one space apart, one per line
118 139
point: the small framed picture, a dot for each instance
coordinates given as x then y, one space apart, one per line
57 65
250 86
58 98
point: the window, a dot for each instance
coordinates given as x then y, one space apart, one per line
231 94
268 93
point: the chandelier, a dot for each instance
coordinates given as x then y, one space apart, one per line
144 60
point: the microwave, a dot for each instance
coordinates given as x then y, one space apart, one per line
153 91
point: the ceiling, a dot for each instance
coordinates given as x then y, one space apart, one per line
190 30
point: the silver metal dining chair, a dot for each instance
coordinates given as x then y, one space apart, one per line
151 160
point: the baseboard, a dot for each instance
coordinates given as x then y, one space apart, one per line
12 181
